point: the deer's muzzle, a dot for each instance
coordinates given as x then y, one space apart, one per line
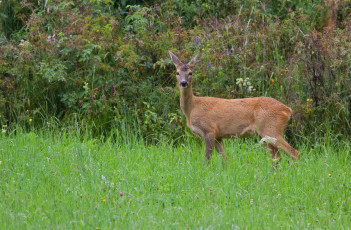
183 84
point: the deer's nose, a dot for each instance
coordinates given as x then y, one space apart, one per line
183 84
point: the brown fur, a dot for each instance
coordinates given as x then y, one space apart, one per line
216 118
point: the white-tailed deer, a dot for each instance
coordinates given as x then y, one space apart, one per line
216 118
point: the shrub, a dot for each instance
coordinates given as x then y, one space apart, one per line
90 63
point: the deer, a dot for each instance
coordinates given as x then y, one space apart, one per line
214 119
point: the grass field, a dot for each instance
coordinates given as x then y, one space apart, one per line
67 181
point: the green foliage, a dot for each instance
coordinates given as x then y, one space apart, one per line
105 63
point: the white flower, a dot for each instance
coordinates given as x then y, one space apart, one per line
239 81
250 88
24 43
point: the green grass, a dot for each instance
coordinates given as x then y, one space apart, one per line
64 181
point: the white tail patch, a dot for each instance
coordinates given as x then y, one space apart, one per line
268 140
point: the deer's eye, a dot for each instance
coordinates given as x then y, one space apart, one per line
190 73
177 73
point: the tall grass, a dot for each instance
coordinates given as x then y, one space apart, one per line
68 180
9 18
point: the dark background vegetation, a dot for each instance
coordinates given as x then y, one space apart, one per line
104 65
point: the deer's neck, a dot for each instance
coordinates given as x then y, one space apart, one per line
187 100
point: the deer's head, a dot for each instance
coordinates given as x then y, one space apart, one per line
184 71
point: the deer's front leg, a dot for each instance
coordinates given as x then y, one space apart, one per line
220 148
209 142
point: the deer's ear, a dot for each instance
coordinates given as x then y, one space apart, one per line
194 61
175 59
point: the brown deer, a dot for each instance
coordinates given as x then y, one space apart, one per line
215 118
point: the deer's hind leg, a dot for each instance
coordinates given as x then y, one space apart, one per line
274 151
275 129
280 144
209 143
286 148
275 155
